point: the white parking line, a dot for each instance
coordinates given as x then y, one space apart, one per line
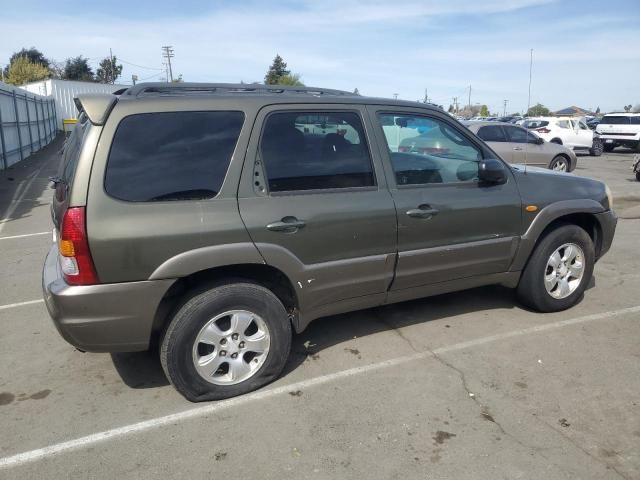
51 450
25 235
20 304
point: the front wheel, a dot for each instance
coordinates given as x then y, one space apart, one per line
638 176
558 271
226 341
559 164
597 148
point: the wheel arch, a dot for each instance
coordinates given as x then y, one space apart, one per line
557 140
571 212
262 274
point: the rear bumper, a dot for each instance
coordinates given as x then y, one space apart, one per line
608 221
116 317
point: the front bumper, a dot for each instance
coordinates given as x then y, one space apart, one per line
608 221
115 317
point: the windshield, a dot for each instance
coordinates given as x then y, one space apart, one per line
615 120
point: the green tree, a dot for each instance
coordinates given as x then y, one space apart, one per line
277 69
538 110
292 79
22 70
450 109
109 70
33 54
484 111
598 111
78 69
356 91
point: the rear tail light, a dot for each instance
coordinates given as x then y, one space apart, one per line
543 130
75 257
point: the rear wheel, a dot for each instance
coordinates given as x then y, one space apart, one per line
559 163
226 341
558 271
597 148
608 147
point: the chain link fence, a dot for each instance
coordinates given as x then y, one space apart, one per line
27 123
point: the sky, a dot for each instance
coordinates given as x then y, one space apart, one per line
584 53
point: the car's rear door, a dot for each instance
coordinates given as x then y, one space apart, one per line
449 225
315 201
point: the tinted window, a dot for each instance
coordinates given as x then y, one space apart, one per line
520 135
315 151
535 123
492 133
71 152
172 155
426 150
613 120
634 120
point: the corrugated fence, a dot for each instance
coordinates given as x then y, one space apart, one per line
27 123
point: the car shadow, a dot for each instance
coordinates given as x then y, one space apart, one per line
143 369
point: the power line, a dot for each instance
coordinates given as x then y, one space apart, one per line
140 66
168 54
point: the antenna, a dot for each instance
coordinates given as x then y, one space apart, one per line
526 145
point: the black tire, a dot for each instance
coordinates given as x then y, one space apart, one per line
608 147
178 341
638 147
638 176
597 148
556 140
558 160
531 290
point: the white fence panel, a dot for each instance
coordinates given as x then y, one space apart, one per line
27 123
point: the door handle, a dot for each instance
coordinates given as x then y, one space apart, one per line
423 211
286 225
517 148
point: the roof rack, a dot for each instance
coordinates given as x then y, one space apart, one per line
183 88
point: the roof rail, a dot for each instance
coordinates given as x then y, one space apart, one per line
183 88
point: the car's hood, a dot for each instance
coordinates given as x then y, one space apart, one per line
541 186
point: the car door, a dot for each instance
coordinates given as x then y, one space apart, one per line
584 134
525 148
449 225
495 137
315 202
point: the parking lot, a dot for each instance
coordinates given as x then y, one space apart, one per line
464 385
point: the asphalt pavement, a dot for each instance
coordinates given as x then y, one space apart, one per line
461 386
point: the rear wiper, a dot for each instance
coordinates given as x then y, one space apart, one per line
193 194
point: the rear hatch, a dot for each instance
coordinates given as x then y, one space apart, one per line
63 181
619 125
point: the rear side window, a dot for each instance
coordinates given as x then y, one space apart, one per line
613 120
171 155
315 151
492 133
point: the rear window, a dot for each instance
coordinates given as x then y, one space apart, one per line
171 155
613 120
535 123
492 133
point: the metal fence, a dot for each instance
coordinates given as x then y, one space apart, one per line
27 123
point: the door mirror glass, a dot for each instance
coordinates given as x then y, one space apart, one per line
539 141
492 171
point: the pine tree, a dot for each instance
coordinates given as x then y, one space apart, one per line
277 70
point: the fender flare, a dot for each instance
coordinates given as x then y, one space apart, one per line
544 218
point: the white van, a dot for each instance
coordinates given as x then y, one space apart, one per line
620 129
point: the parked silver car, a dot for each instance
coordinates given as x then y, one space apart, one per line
518 145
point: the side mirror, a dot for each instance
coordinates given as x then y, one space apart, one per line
539 141
492 171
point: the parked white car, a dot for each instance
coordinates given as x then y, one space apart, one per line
570 132
620 129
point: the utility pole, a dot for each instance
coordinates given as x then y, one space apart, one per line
530 70
455 104
168 54
469 97
112 67
426 96
395 95
504 110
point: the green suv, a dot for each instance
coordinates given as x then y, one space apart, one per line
213 220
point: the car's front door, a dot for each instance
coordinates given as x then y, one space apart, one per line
525 148
449 225
314 199
495 137
584 135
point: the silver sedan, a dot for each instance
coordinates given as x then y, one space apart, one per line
515 144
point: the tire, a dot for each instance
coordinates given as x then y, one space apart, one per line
597 148
638 147
531 290
608 147
245 304
560 163
638 176
556 140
